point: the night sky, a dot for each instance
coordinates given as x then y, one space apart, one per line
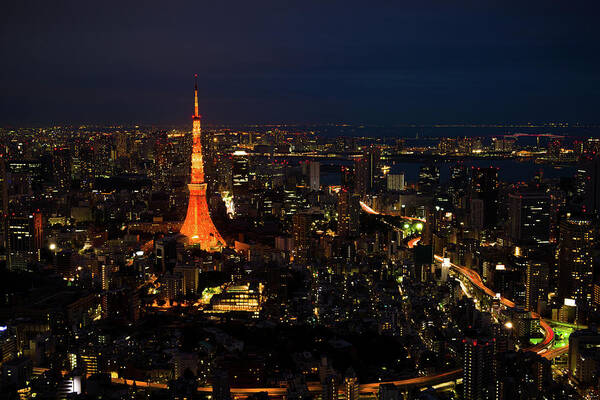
389 62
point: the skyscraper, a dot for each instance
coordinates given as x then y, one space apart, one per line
395 182
350 385
330 388
301 229
591 184
429 178
198 226
584 349
367 170
575 263
314 168
529 216
478 360
23 238
240 173
536 285
348 214
484 186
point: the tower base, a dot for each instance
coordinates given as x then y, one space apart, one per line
198 226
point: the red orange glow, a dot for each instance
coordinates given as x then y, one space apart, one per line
198 226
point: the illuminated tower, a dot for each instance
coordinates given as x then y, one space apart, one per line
198 226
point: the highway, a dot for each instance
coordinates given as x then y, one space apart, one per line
369 210
429 380
412 242
475 279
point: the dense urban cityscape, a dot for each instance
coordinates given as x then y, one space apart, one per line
330 263
316 200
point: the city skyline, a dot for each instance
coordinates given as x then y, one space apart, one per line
366 246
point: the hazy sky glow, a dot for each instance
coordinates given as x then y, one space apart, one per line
314 61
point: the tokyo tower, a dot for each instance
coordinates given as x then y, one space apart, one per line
198 226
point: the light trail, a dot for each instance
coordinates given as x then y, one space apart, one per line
367 209
421 381
413 242
371 211
475 279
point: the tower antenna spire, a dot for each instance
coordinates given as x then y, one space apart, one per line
198 227
196 95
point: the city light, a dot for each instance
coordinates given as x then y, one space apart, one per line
326 227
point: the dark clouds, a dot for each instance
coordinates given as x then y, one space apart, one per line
311 61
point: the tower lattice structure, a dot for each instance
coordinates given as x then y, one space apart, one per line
198 227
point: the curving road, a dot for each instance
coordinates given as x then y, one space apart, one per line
428 380
413 242
371 211
476 280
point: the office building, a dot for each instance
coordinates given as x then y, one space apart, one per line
529 213
536 284
484 186
584 356
314 168
575 262
395 182
351 385
478 368
348 214
429 178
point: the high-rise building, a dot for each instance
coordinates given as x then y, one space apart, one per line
361 176
522 375
367 171
173 286
240 173
429 178
198 226
478 367
584 356
330 388
183 362
62 167
536 284
189 274
554 149
590 189
484 186
575 262
347 178
3 188
351 385
23 239
3 201
348 214
301 229
529 216
161 159
314 168
395 182
477 213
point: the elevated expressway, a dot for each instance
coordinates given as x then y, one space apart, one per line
475 279
421 381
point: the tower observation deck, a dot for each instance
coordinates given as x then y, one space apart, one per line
198 226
